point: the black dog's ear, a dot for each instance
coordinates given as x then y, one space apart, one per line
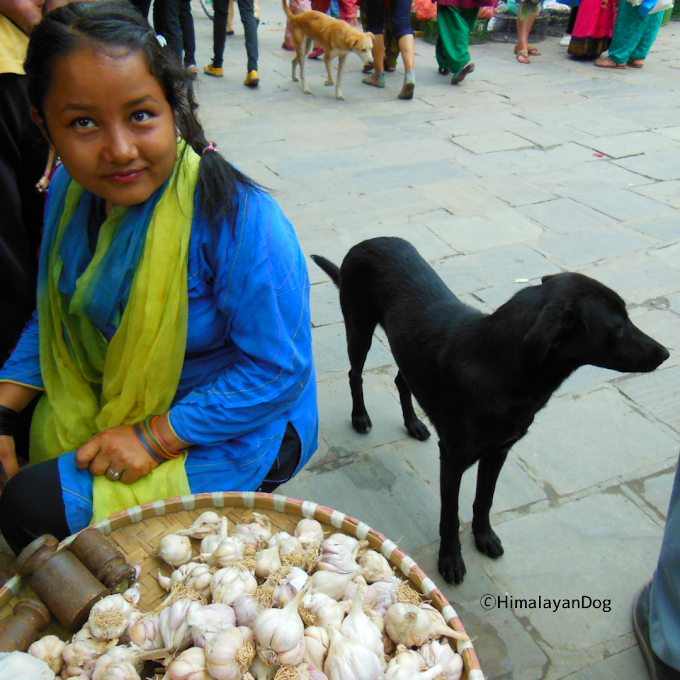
546 278
552 320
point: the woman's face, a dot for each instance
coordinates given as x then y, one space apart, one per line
111 124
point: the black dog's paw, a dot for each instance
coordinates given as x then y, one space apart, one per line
362 424
417 430
452 567
488 543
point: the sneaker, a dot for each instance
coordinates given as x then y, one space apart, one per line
375 79
658 670
565 40
409 86
316 53
459 76
252 79
216 71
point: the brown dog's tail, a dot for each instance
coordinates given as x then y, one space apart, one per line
331 269
286 9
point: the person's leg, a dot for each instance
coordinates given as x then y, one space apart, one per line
319 6
186 22
652 24
31 505
453 44
142 6
230 18
166 23
628 33
401 20
220 8
664 601
247 11
525 22
375 21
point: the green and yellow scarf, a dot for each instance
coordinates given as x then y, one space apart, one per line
93 384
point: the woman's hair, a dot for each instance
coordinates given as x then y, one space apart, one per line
116 25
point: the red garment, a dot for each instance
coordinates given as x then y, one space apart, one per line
348 9
594 27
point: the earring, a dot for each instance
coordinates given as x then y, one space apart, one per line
44 182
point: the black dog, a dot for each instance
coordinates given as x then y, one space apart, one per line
480 378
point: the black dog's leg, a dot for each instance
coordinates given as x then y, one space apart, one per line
359 338
451 564
415 427
487 474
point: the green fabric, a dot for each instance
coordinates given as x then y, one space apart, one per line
92 385
634 34
529 7
453 44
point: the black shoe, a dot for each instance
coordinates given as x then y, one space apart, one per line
658 670
230 32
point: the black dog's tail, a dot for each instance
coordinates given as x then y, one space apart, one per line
331 269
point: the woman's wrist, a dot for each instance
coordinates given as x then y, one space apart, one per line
168 434
156 436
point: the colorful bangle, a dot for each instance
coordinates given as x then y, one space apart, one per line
8 421
153 443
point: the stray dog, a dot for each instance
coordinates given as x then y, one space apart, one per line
336 37
480 378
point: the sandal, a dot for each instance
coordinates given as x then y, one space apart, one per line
523 56
459 76
608 63
375 79
637 63
531 51
444 71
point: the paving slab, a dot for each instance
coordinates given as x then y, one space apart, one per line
566 215
663 228
656 164
582 440
623 204
632 143
664 192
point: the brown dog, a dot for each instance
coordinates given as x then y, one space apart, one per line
336 37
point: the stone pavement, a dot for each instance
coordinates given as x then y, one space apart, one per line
518 172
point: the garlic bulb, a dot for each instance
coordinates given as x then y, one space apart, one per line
332 614
229 654
246 609
173 623
385 593
175 550
267 561
259 670
80 655
435 652
133 594
116 655
317 642
230 549
230 584
256 529
281 630
338 562
49 650
211 541
438 622
111 617
405 673
404 663
189 665
412 626
287 544
348 660
309 531
360 629
199 580
208 523
289 586
374 567
337 542
210 619
23 665
146 634
120 670
330 583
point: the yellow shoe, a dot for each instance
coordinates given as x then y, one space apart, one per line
216 71
253 79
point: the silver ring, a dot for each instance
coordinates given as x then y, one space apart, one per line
113 476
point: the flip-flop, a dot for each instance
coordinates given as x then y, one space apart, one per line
637 63
523 57
533 52
608 63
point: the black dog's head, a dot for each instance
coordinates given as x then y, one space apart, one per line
581 321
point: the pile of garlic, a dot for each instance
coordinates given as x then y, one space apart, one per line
253 605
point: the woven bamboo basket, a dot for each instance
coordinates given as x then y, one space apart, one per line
138 531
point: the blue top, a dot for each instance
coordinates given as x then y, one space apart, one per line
248 369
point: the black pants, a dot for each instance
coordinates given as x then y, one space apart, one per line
166 22
246 9
23 154
31 504
186 22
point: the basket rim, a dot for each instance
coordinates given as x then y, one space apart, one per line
290 506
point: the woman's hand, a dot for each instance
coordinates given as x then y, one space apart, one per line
8 456
116 450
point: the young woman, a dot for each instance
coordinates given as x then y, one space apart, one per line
172 343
